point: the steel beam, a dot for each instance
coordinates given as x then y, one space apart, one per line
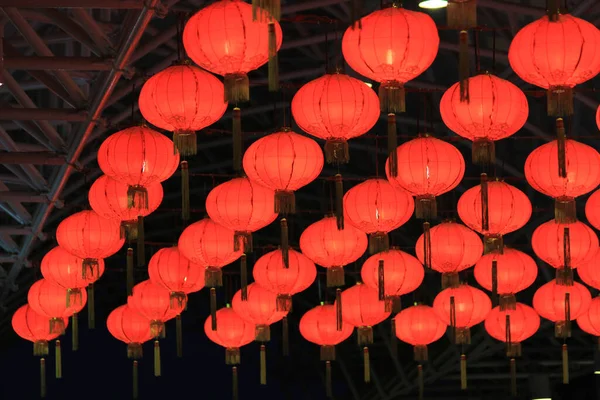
32 173
112 4
23 197
65 23
15 230
35 158
42 114
94 30
34 63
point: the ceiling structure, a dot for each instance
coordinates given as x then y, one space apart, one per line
72 73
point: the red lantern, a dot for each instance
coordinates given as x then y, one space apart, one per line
512 326
331 248
260 309
139 157
589 271
89 236
427 167
283 162
48 299
582 174
392 47
419 326
336 108
564 247
392 273
154 303
592 209
512 270
496 110
377 208
453 248
589 321
223 39
556 54
130 327
506 210
560 303
270 272
242 206
182 99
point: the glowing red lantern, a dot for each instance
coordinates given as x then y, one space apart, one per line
182 99
376 208
582 174
48 299
427 167
589 321
331 248
223 39
392 47
453 248
131 327
512 326
508 209
260 309
270 272
336 108
556 54
592 209
283 162
242 206
589 271
419 326
154 303
496 110
139 157
514 271
564 247
400 272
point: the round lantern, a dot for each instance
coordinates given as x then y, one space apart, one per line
496 110
392 273
494 209
139 157
376 208
242 206
223 39
556 54
582 174
589 271
336 108
592 209
48 299
392 47
427 167
260 309
564 247
512 326
283 162
154 303
130 327
331 248
560 303
419 326
505 274
589 321
270 272
182 99
89 236
451 247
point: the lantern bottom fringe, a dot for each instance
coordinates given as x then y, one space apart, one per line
232 356
450 280
378 242
284 302
135 380
58 360
425 207
463 372
129 230
237 88
392 97
57 326
89 269
335 277
213 277
336 152
483 152
565 364
420 353
157 329
393 304
266 10
42 377
177 300
242 240
157 362
262 333
327 353
564 276
364 335
560 101
462 14
234 383
135 351
513 377
179 333
462 336
328 384
507 302
40 348
493 243
263 364
137 197
420 381
185 143
513 350
562 329
285 202
565 211
73 297
366 365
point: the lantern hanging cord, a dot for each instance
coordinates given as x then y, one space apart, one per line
477 55
377 156
326 52
133 104
494 52
430 106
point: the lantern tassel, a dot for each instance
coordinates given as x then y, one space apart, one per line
137 197
234 383
237 88
266 9
420 382
285 248
507 335
273 59
157 369
560 101
427 245
494 281
513 377
366 365
285 337
285 202
392 145
483 152
328 386
381 280
185 191
179 332
135 376
89 269
141 254
284 302
463 65
453 320
263 364
564 275
561 141
462 14
242 240
485 216
336 152
339 201
42 377
394 338
463 372
244 277
237 139
91 306
130 280
75 332
338 309
57 326
425 207
58 360
213 308
392 97
73 297
378 242
393 304
565 364
185 143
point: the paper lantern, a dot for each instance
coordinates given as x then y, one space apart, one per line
130 327
336 108
592 209
363 310
48 299
331 248
556 54
427 167
392 47
270 272
496 110
154 303
283 162
419 326
512 326
589 321
242 206
182 99
260 309
377 208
